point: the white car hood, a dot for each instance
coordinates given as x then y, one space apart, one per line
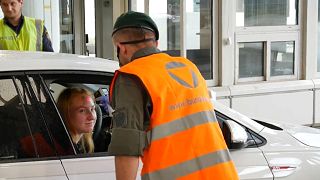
306 135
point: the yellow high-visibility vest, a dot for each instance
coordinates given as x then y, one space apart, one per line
29 38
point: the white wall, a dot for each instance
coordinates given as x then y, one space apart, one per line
278 102
317 102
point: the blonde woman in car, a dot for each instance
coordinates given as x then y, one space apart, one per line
78 110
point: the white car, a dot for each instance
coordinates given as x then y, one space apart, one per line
30 83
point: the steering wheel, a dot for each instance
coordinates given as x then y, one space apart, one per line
97 126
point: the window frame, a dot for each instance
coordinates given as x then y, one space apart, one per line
266 35
317 21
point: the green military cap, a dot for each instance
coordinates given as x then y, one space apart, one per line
134 19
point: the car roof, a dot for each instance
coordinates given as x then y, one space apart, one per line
28 61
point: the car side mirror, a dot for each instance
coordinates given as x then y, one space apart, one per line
234 134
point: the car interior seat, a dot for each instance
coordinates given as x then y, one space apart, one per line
101 134
97 126
6 137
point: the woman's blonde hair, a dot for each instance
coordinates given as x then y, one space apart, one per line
63 103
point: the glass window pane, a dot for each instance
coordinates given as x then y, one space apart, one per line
166 14
136 5
23 132
66 26
60 139
266 12
90 27
251 59
318 65
13 122
282 58
199 35
46 146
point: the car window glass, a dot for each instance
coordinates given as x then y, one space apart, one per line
37 89
39 137
57 140
19 120
11 118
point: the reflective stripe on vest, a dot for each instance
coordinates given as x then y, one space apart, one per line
184 123
184 135
28 39
189 167
39 28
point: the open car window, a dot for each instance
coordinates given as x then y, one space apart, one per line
57 82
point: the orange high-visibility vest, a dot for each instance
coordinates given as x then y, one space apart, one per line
185 140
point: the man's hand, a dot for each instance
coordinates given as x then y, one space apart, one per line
126 167
103 101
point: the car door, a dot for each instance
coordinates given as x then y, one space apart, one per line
251 164
249 161
20 118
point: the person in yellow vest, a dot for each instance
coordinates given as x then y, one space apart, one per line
163 113
18 32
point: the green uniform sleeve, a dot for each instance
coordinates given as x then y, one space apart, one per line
131 117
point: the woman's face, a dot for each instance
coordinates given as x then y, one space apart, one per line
82 114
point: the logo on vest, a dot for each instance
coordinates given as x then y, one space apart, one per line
7 38
182 74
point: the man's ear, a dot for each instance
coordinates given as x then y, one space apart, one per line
123 48
21 1
119 46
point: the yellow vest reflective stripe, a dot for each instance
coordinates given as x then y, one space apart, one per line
29 38
185 138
